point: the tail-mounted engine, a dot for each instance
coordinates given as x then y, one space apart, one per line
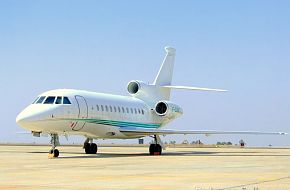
168 109
147 92
134 87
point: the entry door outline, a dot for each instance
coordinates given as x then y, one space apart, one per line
83 112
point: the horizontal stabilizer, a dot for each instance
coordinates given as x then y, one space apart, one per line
145 131
194 88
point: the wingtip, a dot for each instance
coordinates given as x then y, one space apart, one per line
283 133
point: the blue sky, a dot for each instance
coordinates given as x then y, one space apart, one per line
242 46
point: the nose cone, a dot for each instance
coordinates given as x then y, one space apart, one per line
29 117
24 118
21 119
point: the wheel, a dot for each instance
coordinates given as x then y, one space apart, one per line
151 149
91 148
94 148
155 149
87 148
53 153
159 149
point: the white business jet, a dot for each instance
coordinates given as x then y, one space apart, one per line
106 116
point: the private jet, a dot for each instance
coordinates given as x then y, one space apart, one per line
106 116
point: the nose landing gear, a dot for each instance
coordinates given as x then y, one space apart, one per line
54 153
90 147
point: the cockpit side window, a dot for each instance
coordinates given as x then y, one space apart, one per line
66 100
40 100
58 100
49 100
35 100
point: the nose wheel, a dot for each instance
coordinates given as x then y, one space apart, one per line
53 153
90 147
54 141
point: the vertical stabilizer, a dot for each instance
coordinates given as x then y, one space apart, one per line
164 76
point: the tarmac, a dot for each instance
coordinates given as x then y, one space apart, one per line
28 167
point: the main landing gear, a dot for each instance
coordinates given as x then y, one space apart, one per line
155 148
90 147
54 141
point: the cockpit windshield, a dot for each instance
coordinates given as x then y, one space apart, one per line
52 100
66 100
49 100
40 100
58 100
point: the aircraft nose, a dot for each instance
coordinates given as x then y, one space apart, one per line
26 117
22 118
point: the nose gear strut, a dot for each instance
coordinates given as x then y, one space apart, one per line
54 141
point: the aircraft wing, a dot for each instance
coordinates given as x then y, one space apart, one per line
146 131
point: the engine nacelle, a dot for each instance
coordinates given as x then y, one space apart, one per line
168 109
135 87
143 91
149 93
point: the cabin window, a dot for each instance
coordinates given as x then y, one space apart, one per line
142 111
58 100
139 111
119 109
123 110
66 100
127 109
131 110
98 108
102 107
135 110
111 110
115 109
40 100
49 100
106 108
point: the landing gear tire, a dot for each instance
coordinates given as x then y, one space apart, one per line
94 148
91 148
53 153
155 149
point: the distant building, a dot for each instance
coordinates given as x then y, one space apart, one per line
185 142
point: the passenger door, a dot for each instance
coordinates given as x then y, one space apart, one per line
82 107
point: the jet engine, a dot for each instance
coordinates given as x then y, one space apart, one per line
168 109
134 86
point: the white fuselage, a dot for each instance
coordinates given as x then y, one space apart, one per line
94 115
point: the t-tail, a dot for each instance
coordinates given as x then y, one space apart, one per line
161 87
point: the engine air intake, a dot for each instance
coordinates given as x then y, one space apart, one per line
161 108
133 87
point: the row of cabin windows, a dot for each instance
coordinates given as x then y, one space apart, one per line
119 109
52 100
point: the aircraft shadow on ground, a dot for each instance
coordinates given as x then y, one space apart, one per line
165 154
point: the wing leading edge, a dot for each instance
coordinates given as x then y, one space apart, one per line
145 131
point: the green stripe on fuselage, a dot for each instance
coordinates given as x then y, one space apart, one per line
118 123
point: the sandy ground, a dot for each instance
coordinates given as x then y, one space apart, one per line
28 167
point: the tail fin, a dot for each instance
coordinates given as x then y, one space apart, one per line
164 76
161 87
